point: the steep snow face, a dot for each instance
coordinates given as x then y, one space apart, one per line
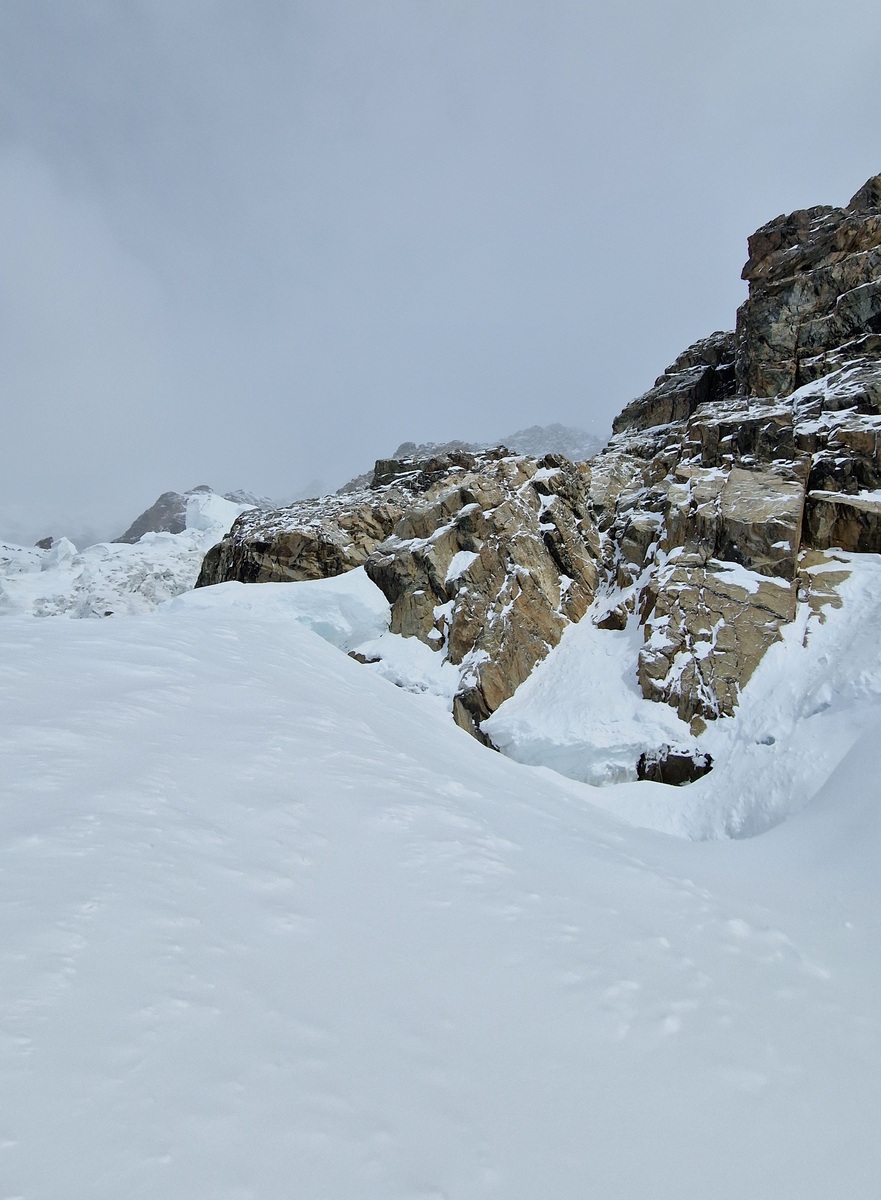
271 927
113 578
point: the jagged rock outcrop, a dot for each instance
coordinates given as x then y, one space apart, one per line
704 373
753 456
709 497
535 442
490 564
484 557
814 289
311 539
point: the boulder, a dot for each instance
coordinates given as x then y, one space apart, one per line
673 767
847 522
311 539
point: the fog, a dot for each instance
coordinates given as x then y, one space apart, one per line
258 244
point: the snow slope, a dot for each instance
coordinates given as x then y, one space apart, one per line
273 928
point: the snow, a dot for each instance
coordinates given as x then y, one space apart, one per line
346 611
739 575
581 712
459 564
859 499
113 578
272 927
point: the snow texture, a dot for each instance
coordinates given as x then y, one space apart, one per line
271 926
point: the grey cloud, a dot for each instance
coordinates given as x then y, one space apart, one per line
261 243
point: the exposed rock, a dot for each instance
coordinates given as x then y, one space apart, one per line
709 496
490 566
312 539
168 514
45 543
486 558
848 522
709 518
815 285
673 767
702 373
707 627
535 442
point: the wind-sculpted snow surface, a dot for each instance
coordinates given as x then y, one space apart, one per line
271 927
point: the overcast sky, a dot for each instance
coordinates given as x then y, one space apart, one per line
258 243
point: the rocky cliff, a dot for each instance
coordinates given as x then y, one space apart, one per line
713 514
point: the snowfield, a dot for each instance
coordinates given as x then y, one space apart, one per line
273 927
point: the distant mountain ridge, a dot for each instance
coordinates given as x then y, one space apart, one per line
536 441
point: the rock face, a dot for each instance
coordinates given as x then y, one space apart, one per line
704 373
712 492
754 455
815 291
166 515
534 442
489 564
